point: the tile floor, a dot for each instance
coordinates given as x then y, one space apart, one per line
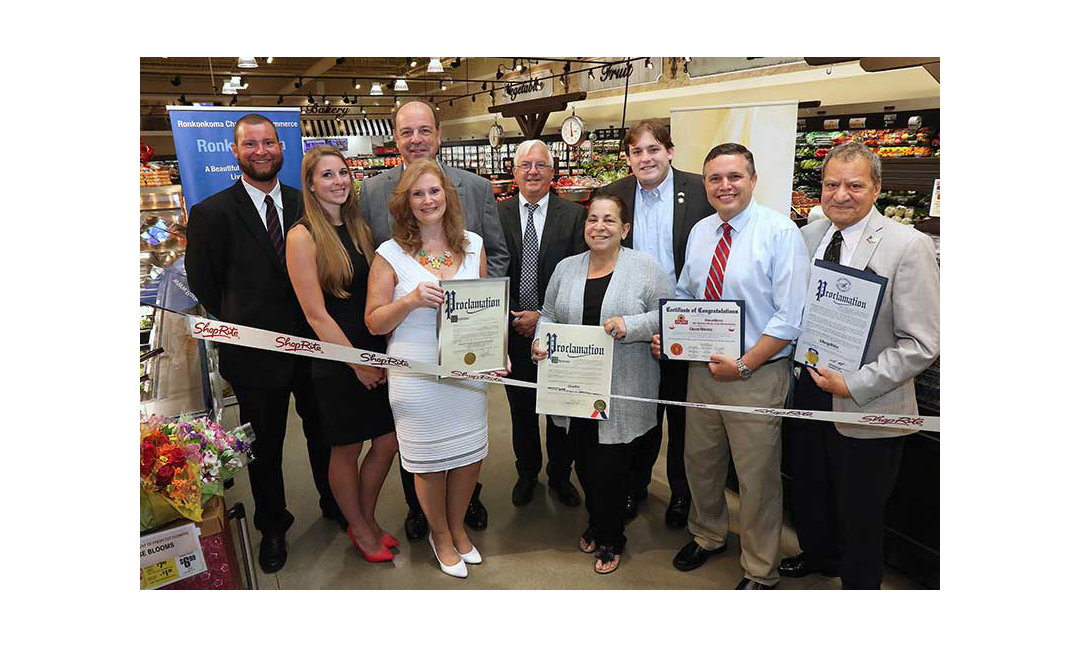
531 547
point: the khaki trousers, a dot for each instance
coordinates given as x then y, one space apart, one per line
754 443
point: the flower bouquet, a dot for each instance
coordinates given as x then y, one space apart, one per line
183 463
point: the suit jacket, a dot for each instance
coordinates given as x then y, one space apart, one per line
637 285
906 336
563 236
477 201
235 272
695 206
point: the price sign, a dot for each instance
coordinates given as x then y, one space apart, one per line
935 200
168 556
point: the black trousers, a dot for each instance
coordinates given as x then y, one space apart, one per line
602 471
841 488
646 449
526 422
267 410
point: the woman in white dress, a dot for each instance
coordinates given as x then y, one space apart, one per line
441 424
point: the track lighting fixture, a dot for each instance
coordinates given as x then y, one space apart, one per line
591 75
498 73
443 85
183 99
434 66
483 85
412 62
326 102
299 83
340 60
456 63
376 90
175 81
310 99
280 100
356 84
269 60
344 98
400 85
233 101
648 63
246 62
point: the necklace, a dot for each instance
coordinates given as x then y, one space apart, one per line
436 262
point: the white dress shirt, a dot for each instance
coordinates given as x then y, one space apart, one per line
259 198
539 217
768 268
851 235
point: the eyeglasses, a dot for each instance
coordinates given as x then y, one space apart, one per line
539 166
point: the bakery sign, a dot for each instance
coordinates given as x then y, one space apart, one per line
618 72
523 88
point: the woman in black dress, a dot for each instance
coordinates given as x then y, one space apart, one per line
328 253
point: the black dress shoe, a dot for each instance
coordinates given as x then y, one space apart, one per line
272 549
416 525
798 566
746 583
476 516
566 492
678 511
694 555
523 491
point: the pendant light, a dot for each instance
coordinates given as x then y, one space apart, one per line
434 66
247 62
400 85
376 90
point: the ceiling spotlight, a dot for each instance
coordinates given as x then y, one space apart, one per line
397 102
183 99
326 102
280 100
498 74
310 99
686 68
356 84
247 62
474 98
363 111
566 67
340 60
437 108
269 60
376 90
648 64
400 85
517 65
233 102
456 63
483 86
451 102
299 83
434 66
443 85
412 62
175 80
344 98
686 58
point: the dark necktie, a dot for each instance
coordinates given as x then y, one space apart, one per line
273 228
832 252
530 257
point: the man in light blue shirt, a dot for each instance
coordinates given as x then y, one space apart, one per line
749 252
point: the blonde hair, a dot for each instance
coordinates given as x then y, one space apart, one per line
332 262
405 229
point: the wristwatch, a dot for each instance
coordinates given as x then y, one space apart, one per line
744 371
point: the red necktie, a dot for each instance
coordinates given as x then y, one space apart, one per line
714 286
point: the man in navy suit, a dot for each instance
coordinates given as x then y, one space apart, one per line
236 267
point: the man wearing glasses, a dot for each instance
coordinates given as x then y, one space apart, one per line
540 229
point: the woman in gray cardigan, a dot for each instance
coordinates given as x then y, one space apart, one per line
619 288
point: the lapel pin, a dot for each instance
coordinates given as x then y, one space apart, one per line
681 194
871 239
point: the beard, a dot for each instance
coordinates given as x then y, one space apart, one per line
250 171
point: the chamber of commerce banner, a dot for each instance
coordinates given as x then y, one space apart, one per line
767 129
204 138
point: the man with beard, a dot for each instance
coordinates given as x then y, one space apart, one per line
236 267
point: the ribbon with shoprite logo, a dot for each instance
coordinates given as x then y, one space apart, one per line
255 338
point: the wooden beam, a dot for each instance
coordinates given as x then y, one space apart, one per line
533 106
880 64
829 61
934 69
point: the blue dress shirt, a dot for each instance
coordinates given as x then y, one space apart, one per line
768 268
654 215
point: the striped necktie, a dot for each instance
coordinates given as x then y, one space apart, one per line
714 286
273 228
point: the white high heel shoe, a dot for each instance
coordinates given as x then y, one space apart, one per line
458 570
473 557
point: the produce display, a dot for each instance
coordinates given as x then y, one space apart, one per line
802 203
905 207
608 167
368 162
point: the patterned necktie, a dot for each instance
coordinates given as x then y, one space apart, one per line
832 252
714 286
273 228
530 257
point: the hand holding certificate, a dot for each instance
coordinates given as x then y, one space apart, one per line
696 329
471 324
574 379
841 308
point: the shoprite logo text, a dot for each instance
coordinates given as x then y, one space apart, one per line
209 331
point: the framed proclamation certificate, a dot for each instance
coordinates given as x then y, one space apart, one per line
471 324
695 329
841 308
575 378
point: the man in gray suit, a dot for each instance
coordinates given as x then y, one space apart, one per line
845 473
416 131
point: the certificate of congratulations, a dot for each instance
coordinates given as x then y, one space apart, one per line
575 378
841 308
695 329
472 324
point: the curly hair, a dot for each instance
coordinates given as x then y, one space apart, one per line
406 230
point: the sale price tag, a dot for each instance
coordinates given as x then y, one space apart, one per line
168 556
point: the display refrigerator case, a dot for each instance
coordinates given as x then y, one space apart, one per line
172 364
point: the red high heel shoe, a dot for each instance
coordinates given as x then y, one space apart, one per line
389 541
383 555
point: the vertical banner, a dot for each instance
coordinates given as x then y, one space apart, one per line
768 130
204 138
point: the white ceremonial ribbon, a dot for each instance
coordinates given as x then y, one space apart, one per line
255 338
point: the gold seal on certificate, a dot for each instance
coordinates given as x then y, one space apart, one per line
575 377
695 329
471 324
